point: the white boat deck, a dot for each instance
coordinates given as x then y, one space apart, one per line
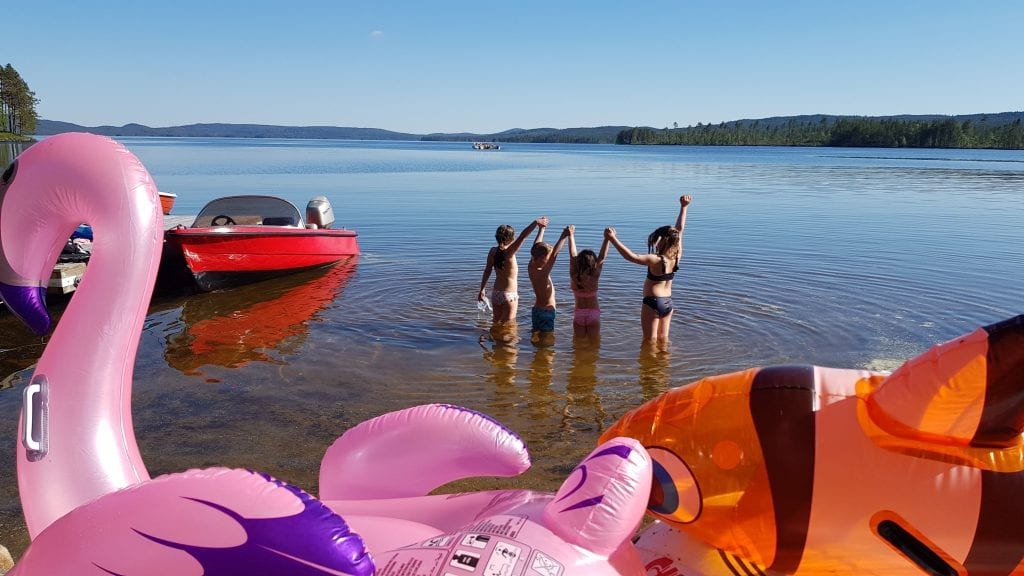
170 221
67 275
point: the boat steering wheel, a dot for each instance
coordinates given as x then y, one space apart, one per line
222 220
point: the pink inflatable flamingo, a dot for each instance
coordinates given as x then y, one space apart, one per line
71 428
91 507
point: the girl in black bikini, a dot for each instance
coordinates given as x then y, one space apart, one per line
665 249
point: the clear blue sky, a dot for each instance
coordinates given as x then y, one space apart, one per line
424 66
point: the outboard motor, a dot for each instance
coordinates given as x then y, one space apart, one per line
319 212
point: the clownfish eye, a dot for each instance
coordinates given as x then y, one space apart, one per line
675 494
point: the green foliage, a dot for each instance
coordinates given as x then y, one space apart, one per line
842 131
17 103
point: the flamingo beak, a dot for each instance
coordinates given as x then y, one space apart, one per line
28 303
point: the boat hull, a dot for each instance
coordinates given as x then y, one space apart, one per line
228 256
167 201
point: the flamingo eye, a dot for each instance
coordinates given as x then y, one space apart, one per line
675 494
9 174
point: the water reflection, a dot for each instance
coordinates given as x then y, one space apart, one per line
583 411
10 150
655 360
19 348
255 323
539 396
501 349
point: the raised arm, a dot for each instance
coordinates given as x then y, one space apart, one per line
540 234
554 251
487 274
603 253
684 201
572 240
572 249
514 246
645 259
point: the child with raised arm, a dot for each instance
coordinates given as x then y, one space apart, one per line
584 273
542 260
502 260
664 250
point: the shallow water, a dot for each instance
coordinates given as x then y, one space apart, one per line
840 257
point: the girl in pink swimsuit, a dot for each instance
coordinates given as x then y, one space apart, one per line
584 273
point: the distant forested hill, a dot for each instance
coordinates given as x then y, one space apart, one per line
601 135
50 127
1003 130
998 130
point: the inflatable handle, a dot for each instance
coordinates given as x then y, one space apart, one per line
34 419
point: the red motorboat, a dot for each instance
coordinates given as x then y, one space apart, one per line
240 239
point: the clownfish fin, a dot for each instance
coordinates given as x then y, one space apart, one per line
968 391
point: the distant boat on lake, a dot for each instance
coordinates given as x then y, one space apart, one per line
486 146
167 201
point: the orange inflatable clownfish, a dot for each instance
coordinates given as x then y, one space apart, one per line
811 470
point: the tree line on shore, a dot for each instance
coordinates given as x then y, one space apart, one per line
840 131
17 104
1004 130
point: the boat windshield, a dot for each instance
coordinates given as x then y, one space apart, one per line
248 211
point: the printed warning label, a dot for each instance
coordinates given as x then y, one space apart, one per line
503 560
412 563
546 565
438 541
508 526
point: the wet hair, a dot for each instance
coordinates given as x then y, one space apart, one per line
666 233
505 234
586 263
540 249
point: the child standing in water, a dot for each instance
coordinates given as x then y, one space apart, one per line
665 249
584 273
502 260
542 260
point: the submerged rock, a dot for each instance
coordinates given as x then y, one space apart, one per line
6 562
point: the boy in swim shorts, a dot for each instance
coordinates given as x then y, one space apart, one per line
542 260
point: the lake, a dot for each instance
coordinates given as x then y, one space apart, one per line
854 258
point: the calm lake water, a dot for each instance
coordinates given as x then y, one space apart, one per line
851 258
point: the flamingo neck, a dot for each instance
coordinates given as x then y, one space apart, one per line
86 370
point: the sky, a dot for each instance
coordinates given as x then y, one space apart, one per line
422 66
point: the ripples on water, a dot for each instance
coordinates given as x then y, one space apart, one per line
847 258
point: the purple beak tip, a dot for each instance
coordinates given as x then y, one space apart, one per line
29 304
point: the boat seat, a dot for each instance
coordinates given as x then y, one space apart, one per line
280 221
247 220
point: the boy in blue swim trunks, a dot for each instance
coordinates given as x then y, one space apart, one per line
542 260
